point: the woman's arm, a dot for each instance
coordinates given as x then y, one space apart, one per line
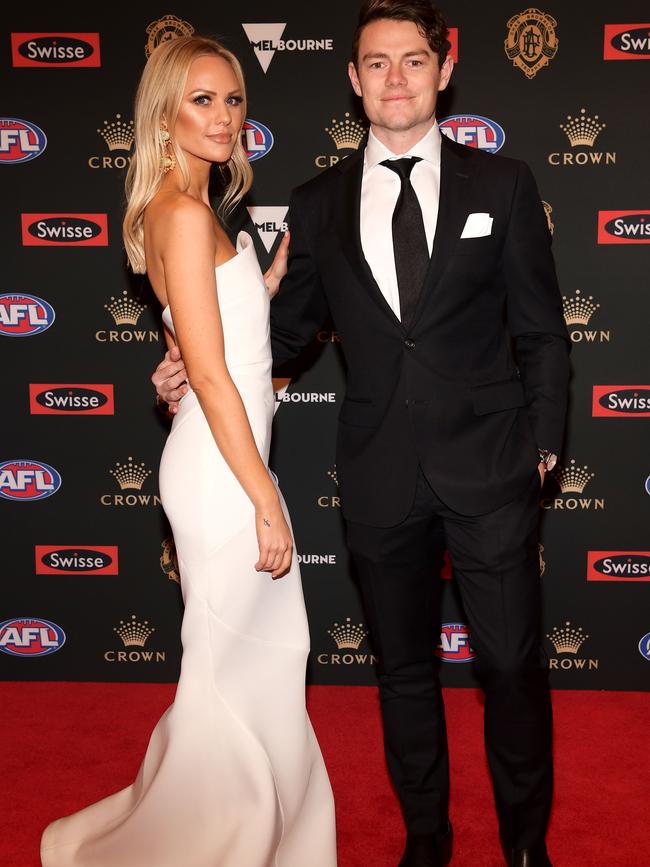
188 249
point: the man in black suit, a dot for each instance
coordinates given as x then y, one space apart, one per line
434 262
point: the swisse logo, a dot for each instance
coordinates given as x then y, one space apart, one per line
621 401
452 36
627 42
64 230
474 131
624 227
30 636
20 140
73 560
23 315
618 565
73 399
55 49
266 39
306 397
454 643
269 221
257 139
22 480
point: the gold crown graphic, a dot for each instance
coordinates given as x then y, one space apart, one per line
125 310
567 639
347 635
134 633
117 134
582 130
572 479
578 310
130 475
332 474
346 134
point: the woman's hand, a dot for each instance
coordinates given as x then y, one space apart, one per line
278 269
274 540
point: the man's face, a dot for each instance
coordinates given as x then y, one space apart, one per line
398 76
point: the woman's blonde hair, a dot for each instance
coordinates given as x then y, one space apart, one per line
158 98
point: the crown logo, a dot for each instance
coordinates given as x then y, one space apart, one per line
130 475
567 639
572 479
332 474
346 134
117 134
125 310
579 309
582 130
347 635
133 633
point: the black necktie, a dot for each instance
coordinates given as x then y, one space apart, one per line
409 239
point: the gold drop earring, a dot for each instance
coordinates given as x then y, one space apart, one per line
168 160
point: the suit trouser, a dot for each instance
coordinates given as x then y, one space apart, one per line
496 566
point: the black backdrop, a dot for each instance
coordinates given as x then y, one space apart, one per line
90 590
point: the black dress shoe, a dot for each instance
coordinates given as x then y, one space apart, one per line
428 850
536 857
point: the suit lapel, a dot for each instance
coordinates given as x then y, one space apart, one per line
455 185
349 228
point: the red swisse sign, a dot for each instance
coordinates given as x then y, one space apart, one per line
76 559
627 42
624 227
621 401
64 230
55 49
452 36
618 565
71 399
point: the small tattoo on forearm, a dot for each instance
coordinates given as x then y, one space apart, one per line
267 523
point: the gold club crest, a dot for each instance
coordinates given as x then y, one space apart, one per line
531 41
548 210
165 29
168 560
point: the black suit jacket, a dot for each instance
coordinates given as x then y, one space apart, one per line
477 382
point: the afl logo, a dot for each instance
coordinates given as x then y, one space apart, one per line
257 139
474 131
30 636
55 49
24 315
454 643
74 399
64 230
644 647
28 480
20 140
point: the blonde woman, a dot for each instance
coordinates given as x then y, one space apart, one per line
233 775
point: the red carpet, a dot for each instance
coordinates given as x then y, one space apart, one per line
65 745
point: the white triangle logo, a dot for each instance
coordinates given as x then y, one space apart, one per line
264 39
269 222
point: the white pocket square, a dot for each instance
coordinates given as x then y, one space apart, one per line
477 226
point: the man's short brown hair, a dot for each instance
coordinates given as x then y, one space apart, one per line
422 13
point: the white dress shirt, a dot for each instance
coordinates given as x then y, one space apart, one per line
380 188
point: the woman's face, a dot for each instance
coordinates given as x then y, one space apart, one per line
210 116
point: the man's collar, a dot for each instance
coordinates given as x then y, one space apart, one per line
428 149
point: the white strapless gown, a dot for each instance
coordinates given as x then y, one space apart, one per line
233 775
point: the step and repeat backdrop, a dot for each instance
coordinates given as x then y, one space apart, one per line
91 589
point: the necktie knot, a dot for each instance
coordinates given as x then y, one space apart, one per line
403 166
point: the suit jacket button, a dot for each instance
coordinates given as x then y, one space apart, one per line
409 344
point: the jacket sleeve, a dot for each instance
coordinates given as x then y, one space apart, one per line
300 306
535 317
